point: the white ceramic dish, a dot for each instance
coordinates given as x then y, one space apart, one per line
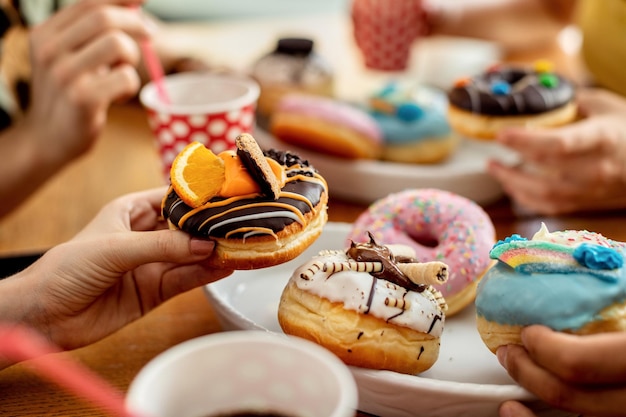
366 181
465 381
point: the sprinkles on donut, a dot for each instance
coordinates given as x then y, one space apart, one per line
572 281
269 206
505 96
438 225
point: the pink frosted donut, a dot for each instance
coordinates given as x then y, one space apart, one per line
327 126
439 226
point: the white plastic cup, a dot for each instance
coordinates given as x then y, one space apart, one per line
244 371
209 108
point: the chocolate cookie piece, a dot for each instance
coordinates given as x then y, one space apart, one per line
253 159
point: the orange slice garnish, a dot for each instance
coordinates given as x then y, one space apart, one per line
197 174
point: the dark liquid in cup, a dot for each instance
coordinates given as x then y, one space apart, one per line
250 414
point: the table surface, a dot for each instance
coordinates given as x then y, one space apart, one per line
125 160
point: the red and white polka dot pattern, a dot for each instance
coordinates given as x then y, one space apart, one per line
216 131
384 31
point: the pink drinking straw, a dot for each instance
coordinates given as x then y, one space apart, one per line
23 344
155 70
154 67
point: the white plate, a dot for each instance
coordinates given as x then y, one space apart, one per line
366 181
466 380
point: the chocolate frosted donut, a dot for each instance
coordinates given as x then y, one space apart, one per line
510 96
254 230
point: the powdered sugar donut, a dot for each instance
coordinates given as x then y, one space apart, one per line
439 226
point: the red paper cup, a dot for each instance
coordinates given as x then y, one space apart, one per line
384 31
212 109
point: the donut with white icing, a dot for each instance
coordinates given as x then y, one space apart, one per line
373 306
437 225
572 281
326 126
506 96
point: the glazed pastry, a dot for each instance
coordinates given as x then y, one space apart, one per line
292 67
437 225
414 124
270 207
507 96
571 281
326 126
373 306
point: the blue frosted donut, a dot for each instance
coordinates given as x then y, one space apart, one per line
413 123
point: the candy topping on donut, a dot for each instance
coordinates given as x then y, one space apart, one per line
438 226
548 80
364 285
560 279
543 65
255 162
559 256
253 214
511 91
394 268
501 88
392 100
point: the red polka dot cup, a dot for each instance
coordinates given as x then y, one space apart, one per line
212 109
245 372
384 31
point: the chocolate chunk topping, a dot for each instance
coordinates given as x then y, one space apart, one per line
253 159
372 252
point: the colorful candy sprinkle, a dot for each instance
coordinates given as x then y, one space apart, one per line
548 80
409 112
462 82
501 88
543 66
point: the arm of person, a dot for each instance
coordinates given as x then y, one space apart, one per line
517 25
575 168
581 374
124 263
83 60
25 168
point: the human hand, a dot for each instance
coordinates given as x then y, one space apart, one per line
120 266
582 374
83 60
578 167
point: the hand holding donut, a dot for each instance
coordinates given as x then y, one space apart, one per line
569 372
123 264
578 167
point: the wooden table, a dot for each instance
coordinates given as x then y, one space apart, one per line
125 160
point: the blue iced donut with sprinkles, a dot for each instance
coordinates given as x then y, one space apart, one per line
413 123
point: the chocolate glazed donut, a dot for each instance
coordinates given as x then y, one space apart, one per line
255 230
511 91
507 96
251 215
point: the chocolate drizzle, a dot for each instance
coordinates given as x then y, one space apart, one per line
527 95
252 215
372 252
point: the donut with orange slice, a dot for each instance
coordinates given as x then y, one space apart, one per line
261 208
